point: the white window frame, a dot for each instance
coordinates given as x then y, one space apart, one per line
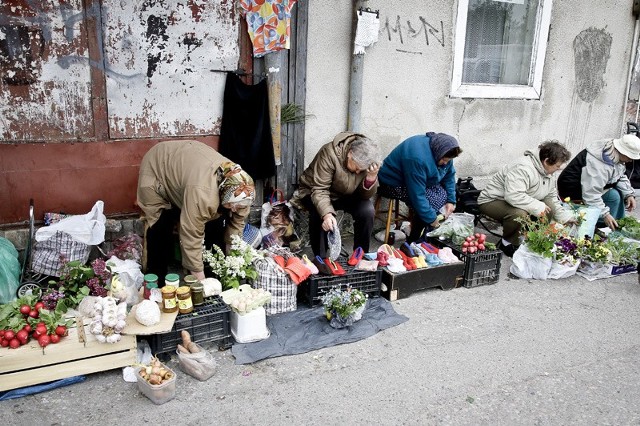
501 91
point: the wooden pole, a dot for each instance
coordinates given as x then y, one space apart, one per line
273 65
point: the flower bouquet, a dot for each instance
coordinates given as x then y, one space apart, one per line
234 268
343 307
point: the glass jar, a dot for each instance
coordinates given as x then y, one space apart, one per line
184 299
189 280
150 281
172 279
169 300
197 294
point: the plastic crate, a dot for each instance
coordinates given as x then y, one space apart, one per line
316 286
479 268
208 322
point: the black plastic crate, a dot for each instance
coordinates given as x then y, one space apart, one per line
208 322
479 268
316 286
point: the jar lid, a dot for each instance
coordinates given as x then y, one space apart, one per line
197 286
151 277
190 279
183 289
168 289
172 277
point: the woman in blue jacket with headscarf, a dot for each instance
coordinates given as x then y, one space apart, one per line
420 173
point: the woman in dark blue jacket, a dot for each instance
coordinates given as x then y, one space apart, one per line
420 173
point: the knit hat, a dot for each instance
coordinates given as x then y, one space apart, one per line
440 144
629 146
236 186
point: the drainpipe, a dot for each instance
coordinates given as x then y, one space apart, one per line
632 60
354 112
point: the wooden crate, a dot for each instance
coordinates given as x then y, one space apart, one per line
31 365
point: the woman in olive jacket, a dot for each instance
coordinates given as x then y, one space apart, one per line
191 183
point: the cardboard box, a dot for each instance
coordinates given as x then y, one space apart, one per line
404 284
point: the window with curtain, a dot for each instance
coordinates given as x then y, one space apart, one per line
499 48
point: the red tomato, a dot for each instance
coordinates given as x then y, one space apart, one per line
39 305
477 235
9 334
34 314
27 328
480 246
61 330
465 244
54 338
4 343
14 344
25 309
470 238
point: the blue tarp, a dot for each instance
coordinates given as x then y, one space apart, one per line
30 390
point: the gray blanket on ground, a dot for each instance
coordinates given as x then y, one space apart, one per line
307 329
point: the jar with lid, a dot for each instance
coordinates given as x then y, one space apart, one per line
169 299
150 281
172 279
184 299
189 280
197 294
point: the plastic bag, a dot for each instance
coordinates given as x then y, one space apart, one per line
87 228
130 276
9 271
50 256
560 270
588 224
455 228
527 264
200 365
276 222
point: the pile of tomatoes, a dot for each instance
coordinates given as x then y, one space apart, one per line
474 243
36 323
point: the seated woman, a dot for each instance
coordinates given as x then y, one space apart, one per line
189 183
342 176
526 187
596 176
420 173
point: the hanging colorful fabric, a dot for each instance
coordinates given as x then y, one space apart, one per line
268 23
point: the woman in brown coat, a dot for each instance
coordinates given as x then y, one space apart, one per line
190 183
342 176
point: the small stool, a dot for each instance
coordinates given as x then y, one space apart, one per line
393 215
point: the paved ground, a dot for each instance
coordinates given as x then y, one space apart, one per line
517 352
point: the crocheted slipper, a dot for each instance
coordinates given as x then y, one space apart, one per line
322 267
396 265
280 261
386 248
335 267
420 262
367 265
356 257
296 270
309 264
431 249
335 243
406 249
383 258
407 261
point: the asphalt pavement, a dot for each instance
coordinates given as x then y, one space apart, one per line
515 352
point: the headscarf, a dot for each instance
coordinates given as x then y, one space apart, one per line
440 144
236 186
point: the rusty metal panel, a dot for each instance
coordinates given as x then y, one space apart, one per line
165 63
45 85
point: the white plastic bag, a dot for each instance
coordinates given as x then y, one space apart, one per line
455 228
131 277
527 264
200 365
87 228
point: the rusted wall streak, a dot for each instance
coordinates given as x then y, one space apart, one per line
71 177
45 85
161 57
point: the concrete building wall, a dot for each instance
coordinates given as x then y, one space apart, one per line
407 78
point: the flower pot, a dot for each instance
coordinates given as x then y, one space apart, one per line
337 321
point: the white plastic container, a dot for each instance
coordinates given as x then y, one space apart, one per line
250 327
159 394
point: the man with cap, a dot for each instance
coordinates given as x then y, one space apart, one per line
420 173
190 183
596 176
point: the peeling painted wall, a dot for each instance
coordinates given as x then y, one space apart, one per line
45 86
163 60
